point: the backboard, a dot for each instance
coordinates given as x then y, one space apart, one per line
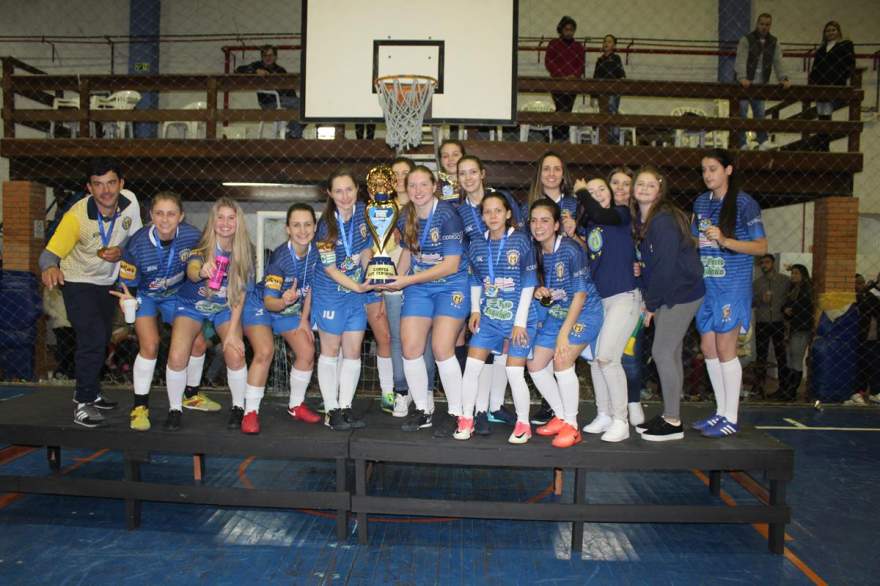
469 47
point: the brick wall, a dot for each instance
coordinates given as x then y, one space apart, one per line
835 241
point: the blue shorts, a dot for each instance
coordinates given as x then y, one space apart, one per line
254 312
285 323
345 314
203 310
431 300
722 315
150 307
585 330
492 334
371 297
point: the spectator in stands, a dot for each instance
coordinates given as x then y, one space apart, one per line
833 64
565 59
798 310
769 294
609 66
83 258
868 303
757 55
65 337
287 99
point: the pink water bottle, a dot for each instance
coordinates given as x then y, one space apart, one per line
220 265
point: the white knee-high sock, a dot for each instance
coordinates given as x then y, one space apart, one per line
474 370
299 382
194 370
713 366
328 381
484 389
142 374
386 374
516 375
450 377
252 398
416 374
175 380
499 382
546 384
237 380
732 373
600 389
569 391
348 380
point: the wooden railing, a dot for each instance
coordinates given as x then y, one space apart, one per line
39 87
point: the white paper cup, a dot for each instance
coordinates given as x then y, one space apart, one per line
129 308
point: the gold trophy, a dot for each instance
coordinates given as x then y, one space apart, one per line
381 215
449 190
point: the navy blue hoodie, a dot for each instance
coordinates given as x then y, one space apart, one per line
672 272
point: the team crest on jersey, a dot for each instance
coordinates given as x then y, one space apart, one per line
127 271
435 235
184 254
725 313
595 241
457 298
560 270
363 230
126 223
513 258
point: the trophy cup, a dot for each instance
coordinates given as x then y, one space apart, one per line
381 216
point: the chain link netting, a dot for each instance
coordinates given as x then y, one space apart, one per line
659 91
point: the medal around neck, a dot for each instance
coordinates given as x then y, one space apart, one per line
381 216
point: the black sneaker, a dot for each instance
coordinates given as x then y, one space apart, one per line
642 427
663 431
481 424
352 421
544 414
503 415
104 404
335 420
172 423
418 420
236 414
86 415
446 427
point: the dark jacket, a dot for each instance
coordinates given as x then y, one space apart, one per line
868 304
800 301
272 69
609 67
833 67
672 272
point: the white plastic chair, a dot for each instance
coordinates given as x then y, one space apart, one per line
190 128
72 104
686 137
577 134
124 100
536 106
280 126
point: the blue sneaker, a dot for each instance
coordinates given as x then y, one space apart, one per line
722 428
502 415
704 424
481 424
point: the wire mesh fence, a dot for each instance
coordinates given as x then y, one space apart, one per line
201 99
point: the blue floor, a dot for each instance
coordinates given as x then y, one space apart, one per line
67 540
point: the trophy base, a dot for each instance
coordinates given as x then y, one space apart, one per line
380 269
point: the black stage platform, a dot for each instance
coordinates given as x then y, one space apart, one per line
44 418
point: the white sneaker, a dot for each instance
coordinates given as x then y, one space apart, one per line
875 398
401 405
617 431
636 413
857 399
599 425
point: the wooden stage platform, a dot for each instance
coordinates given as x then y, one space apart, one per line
44 418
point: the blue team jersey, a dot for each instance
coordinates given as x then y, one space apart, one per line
568 205
512 261
611 254
725 271
157 270
352 239
285 267
202 297
472 218
437 240
566 273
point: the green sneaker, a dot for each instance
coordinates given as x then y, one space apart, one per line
388 402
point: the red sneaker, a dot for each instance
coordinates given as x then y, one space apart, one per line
250 423
303 413
552 427
567 437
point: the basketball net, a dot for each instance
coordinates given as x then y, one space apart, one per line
404 100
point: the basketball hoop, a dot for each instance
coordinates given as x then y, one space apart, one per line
404 100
